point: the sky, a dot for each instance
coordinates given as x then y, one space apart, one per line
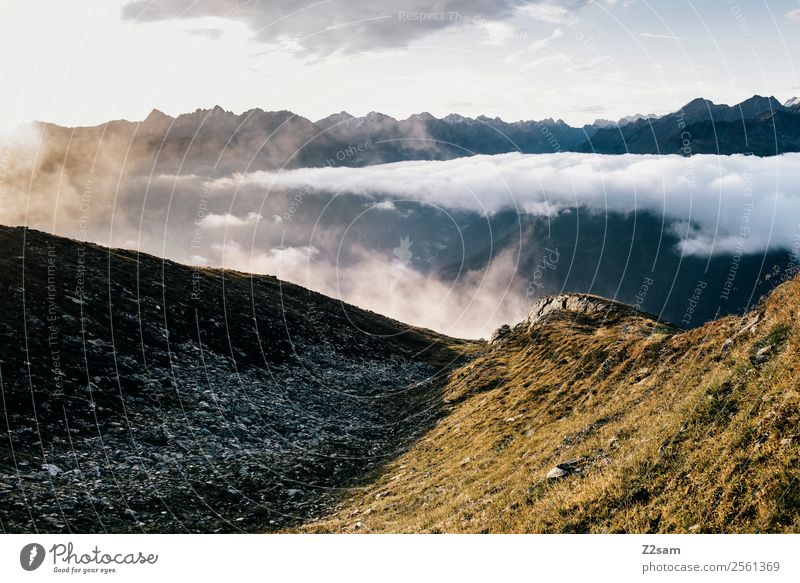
82 62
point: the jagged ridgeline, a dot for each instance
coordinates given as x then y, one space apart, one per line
215 141
142 395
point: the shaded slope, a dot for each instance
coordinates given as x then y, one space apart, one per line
592 417
759 125
139 394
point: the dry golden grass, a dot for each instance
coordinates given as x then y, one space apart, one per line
675 432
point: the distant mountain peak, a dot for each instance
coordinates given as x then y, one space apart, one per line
335 119
758 106
636 117
759 103
341 116
761 99
698 104
375 117
424 116
157 115
456 118
603 123
252 112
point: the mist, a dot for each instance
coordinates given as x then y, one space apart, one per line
439 244
371 254
718 204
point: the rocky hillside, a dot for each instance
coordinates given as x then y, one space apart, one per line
142 395
592 417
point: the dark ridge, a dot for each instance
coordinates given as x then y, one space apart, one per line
144 395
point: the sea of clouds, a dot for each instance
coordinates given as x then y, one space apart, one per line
299 224
720 204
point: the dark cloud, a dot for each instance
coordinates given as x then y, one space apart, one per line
323 27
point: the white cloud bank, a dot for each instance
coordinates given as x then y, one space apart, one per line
213 220
471 307
717 204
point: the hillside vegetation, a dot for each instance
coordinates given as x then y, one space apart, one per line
592 417
143 395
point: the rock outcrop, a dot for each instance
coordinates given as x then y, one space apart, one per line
580 306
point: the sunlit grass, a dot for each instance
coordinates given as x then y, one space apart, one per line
675 432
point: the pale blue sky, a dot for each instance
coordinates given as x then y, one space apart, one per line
82 62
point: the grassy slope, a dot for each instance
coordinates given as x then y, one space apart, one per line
676 432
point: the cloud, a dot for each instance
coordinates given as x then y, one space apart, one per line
208 33
661 36
734 204
528 58
287 263
590 108
228 220
794 15
479 302
547 12
497 34
557 12
327 26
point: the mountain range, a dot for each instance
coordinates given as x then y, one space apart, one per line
215 141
